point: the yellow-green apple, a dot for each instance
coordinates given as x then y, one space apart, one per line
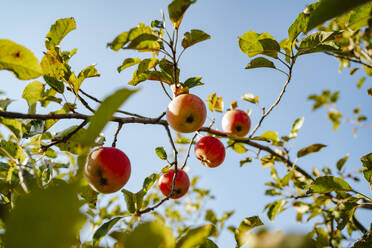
181 185
186 113
236 123
107 169
210 151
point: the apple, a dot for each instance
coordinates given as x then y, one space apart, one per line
186 113
236 122
210 151
107 169
180 188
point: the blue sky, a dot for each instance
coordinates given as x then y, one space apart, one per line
221 64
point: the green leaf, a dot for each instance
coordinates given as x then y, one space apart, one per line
55 84
151 234
253 44
144 43
128 62
215 103
310 149
195 236
119 41
15 126
19 60
193 37
335 116
361 82
177 9
160 151
58 31
341 162
182 140
211 216
244 161
130 200
369 91
327 184
192 82
4 103
34 214
268 136
296 126
319 42
149 181
249 97
142 72
104 114
104 229
241 233
275 208
33 93
208 244
329 9
237 147
88 72
359 17
367 167
259 63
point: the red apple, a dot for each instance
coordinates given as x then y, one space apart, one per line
210 151
181 187
107 169
236 122
186 113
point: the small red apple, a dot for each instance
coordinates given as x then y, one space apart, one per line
181 187
107 169
236 122
210 151
186 113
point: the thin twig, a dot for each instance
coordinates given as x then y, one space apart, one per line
65 138
276 101
99 101
358 61
120 125
188 150
165 91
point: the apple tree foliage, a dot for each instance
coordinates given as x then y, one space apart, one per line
45 201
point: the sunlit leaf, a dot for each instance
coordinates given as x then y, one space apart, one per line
177 9
33 93
319 42
342 161
215 103
367 167
19 60
241 233
194 237
249 97
104 229
128 62
310 149
58 31
327 184
193 37
259 63
274 208
253 44
151 234
329 9
130 200
192 82
160 151
35 214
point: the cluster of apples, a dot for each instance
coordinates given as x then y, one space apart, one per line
108 169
